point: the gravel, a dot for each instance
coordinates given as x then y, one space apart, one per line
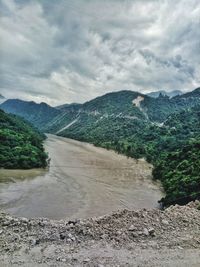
124 238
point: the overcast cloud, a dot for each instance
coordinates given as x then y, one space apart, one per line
62 51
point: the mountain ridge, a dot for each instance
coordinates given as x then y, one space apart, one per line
173 93
125 103
37 114
136 125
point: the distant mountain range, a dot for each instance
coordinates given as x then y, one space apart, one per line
163 92
38 114
128 105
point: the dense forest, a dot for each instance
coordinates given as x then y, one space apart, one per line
21 145
37 114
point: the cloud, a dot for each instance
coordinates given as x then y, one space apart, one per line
71 51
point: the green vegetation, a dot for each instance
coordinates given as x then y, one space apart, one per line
161 144
165 131
20 144
37 114
179 172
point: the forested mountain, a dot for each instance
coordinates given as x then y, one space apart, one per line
125 104
20 144
66 106
161 145
38 114
159 129
193 94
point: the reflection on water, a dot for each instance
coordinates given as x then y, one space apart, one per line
82 181
7 176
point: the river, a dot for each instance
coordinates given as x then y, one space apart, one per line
82 181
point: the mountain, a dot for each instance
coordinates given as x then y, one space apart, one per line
21 144
2 99
119 104
66 106
127 105
123 105
193 94
165 93
158 129
38 114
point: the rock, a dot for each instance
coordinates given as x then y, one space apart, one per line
153 244
86 260
71 222
132 228
165 222
143 246
151 231
134 234
62 236
24 220
145 232
71 236
118 232
6 223
35 242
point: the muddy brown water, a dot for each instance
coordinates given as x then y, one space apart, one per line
82 181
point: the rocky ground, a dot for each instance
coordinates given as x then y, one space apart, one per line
126 238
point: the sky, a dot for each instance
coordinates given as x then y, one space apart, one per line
64 51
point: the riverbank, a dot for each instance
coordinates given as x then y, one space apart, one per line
125 238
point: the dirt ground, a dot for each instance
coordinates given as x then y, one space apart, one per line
125 238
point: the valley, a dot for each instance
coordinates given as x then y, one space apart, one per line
100 133
164 130
82 181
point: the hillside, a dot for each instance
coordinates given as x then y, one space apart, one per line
125 104
136 125
21 144
193 94
38 114
157 143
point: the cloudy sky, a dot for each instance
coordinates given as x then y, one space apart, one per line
62 51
